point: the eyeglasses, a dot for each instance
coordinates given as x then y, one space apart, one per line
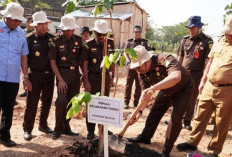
99 34
139 32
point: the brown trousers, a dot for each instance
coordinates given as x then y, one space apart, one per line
163 102
95 80
218 100
42 84
72 78
131 77
196 76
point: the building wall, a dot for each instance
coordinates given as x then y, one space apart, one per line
123 30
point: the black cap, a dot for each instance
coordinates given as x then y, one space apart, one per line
84 29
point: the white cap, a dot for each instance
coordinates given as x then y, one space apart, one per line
143 56
39 17
68 22
14 11
228 25
101 26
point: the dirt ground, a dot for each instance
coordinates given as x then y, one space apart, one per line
42 144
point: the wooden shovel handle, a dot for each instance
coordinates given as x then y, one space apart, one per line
134 114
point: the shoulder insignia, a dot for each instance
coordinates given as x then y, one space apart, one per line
51 35
187 36
145 40
29 34
90 40
110 39
85 45
56 37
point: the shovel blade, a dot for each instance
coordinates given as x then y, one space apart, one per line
117 144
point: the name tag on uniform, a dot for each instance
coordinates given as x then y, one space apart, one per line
61 46
93 49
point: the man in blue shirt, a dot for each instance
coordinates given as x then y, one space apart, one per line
14 52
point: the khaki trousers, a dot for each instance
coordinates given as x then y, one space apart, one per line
218 100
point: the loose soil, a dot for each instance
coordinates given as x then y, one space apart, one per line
42 144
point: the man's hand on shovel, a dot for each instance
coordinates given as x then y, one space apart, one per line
132 121
145 97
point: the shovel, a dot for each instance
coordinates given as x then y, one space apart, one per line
116 142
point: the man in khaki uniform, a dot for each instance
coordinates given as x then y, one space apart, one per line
193 55
215 96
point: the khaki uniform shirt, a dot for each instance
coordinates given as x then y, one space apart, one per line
38 51
162 66
93 53
220 71
195 51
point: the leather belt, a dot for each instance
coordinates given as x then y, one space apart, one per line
98 73
220 85
71 67
43 71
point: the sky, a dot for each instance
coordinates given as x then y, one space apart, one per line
170 12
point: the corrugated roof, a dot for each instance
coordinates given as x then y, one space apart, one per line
120 3
82 13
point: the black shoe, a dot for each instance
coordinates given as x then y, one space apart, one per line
126 106
110 133
140 139
90 136
212 155
185 146
166 122
165 155
188 127
55 135
135 106
24 94
45 130
8 143
70 133
27 136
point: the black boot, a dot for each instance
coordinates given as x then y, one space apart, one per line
140 139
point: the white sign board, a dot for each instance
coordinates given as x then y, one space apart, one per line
106 111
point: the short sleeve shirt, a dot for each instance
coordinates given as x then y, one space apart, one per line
13 45
195 51
93 53
220 71
66 52
38 51
131 43
162 66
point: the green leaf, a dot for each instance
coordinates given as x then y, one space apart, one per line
87 98
122 60
133 54
97 94
127 51
77 107
111 58
116 56
108 4
70 7
70 113
95 11
107 62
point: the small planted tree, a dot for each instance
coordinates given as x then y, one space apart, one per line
107 61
